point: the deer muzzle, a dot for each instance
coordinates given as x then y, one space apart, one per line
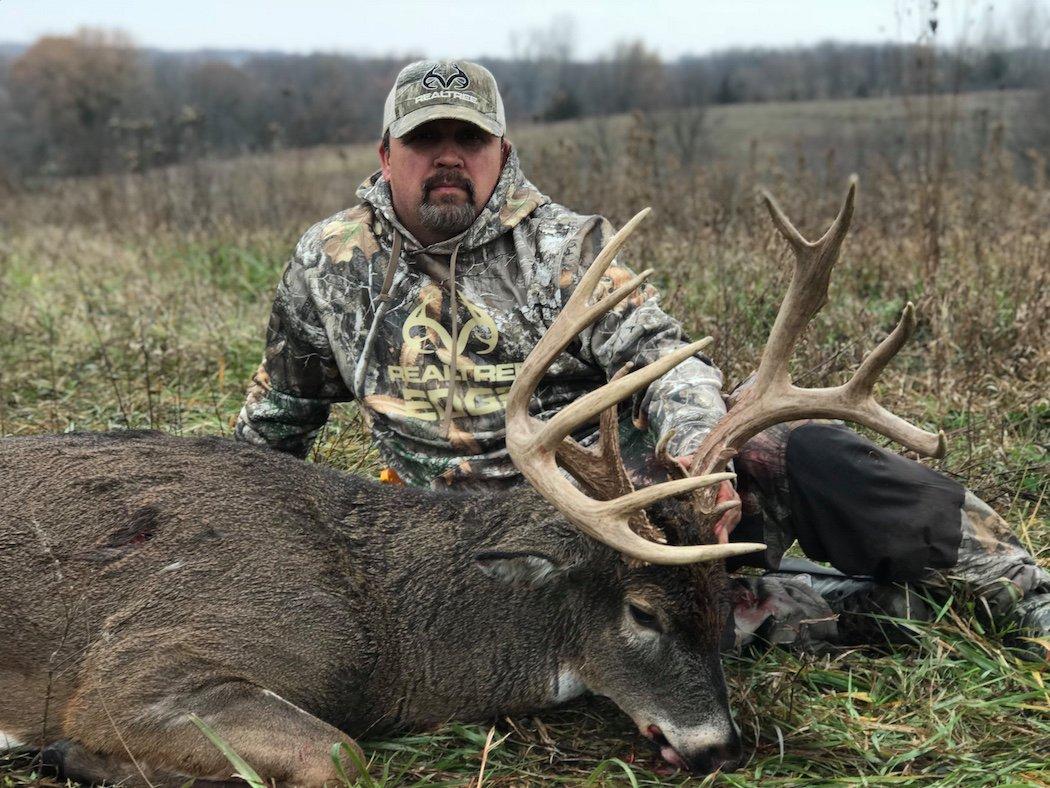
702 749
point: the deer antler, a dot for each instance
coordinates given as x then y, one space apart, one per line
534 445
773 398
600 470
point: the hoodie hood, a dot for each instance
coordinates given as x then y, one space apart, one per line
512 200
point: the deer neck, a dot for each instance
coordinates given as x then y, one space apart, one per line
459 644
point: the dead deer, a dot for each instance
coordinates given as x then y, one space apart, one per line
146 578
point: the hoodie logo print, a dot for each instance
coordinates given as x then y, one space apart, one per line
438 337
478 389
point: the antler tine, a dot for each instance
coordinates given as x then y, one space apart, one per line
603 460
568 324
871 367
596 270
808 290
783 224
836 234
859 389
535 445
618 536
773 398
609 426
647 496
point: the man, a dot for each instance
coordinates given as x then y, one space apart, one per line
421 302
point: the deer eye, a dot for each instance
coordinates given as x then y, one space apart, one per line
644 618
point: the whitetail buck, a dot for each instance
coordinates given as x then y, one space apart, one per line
146 578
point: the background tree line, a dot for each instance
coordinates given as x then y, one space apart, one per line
93 102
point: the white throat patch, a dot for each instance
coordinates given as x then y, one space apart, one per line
567 685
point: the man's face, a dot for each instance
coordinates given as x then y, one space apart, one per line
441 174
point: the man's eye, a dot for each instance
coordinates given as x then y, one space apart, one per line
645 618
470 139
420 138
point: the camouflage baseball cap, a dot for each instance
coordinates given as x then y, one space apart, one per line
431 89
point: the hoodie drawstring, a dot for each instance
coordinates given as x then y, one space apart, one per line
446 421
380 313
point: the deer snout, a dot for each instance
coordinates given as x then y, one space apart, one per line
703 749
725 757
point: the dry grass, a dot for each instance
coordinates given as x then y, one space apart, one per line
141 301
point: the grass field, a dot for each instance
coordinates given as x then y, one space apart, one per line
140 301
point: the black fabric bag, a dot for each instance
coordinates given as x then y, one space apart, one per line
868 511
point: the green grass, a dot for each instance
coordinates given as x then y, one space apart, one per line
134 302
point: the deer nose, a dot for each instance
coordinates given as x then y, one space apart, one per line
725 757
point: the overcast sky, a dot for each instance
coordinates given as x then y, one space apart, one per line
471 28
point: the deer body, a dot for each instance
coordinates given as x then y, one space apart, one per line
144 573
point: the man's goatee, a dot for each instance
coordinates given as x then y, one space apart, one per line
450 219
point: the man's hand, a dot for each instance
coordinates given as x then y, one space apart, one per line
727 522
726 492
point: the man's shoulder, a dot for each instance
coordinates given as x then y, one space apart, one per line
561 234
339 238
554 217
555 226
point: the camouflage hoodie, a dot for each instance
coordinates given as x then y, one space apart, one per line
515 267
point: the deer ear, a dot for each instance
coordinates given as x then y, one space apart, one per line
519 569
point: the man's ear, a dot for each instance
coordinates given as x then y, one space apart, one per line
384 160
520 569
505 151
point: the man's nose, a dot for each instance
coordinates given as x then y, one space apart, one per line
448 155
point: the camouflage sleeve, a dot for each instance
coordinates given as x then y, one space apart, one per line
290 396
687 400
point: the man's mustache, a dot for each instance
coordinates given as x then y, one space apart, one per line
451 178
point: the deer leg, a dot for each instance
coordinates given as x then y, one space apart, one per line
281 741
73 761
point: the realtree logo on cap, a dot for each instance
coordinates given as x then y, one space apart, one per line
457 80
